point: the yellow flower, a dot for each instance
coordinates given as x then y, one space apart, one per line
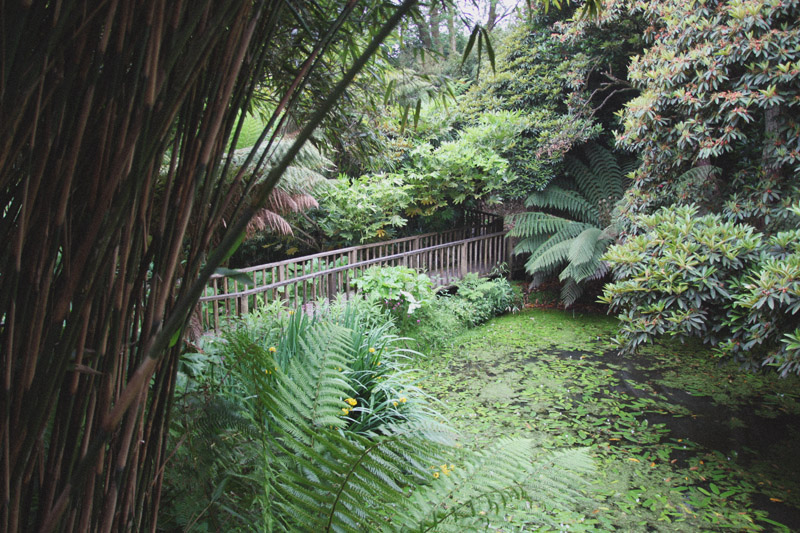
272 349
395 404
291 313
436 475
379 363
352 401
372 350
403 399
346 411
380 233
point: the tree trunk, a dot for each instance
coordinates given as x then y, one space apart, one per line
424 32
491 19
451 29
434 18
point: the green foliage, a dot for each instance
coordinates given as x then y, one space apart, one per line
402 290
559 86
571 246
663 428
252 126
317 467
677 276
475 301
360 210
686 275
488 297
720 78
763 318
471 166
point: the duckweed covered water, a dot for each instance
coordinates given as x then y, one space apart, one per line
681 441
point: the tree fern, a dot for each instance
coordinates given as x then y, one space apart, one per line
587 194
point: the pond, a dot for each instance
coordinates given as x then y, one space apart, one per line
681 441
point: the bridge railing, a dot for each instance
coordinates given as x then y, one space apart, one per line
302 281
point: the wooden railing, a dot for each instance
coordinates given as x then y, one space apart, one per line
299 282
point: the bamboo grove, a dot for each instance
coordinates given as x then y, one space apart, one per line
115 121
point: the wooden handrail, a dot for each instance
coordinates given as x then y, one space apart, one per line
483 248
342 251
360 264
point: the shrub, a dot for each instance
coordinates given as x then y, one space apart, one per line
476 301
489 297
763 318
722 282
675 278
401 289
359 210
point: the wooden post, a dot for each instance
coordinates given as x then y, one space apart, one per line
464 267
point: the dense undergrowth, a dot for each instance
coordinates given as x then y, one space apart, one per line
290 422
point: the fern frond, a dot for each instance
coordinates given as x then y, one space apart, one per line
570 292
629 166
571 202
582 248
530 224
608 174
584 178
530 245
320 477
550 260
491 479
567 233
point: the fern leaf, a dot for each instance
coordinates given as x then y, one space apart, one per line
530 245
697 174
582 248
567 233
571 202
584 179
550 260
570 292
530 224
607 171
